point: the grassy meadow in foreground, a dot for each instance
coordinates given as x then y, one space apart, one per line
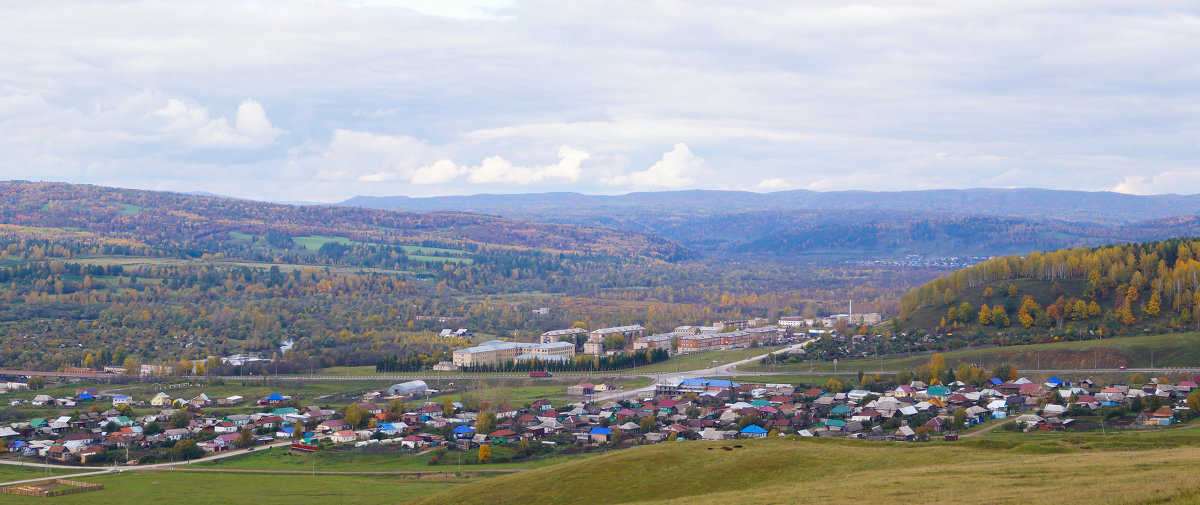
786 471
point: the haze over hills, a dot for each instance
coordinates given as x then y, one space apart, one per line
858 224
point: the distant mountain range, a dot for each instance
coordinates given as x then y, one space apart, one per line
851 224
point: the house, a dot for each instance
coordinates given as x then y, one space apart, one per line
753 431
333 425
600 435
904 434
118 400
343 436
412 442
161 400
1162 417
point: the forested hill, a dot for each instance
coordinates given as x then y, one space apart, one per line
850 225
205 224
1102 207
1104 290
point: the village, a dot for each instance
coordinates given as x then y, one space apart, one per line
411 417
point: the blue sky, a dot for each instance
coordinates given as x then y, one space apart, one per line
323 100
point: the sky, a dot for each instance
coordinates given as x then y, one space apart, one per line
324 100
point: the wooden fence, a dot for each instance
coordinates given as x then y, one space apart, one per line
41 488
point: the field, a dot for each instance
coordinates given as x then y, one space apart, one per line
1170 350
314 242
350 461
797 470
14 472
703 360
194 488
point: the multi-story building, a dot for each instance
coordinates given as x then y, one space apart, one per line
660 341
593 347
794 322
712 341
629 332
494 352
866 318
557 335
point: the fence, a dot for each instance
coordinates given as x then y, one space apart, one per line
41 489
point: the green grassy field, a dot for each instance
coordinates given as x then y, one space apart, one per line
314 242
196 488
335 461
14 472
818 471
1171 350
703 360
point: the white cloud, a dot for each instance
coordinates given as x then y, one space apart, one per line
252 129
497 170
774 183
675 170
438 173
369 95
1164 182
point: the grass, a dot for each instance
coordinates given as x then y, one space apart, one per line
817 471
329 461
13 472
314 242
703 360
129 209
1170 350
195 488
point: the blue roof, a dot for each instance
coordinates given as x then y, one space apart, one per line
601 431
996 382
85 396
289 429
119 397
753 429
1054 380
710 383
275 396
17 444
462 428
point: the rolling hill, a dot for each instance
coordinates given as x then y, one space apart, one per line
848 224
190 222
820 471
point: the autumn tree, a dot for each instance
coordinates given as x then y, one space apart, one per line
960 419
485 453
355 415
1154 305
985 315
485 422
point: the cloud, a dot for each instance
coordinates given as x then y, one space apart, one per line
1164 182
368 96
251 129
774 183
674 170
438 173
497 170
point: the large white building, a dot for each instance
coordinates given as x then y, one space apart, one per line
494 352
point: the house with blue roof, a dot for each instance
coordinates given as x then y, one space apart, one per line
708 385
600 434
753 431
463 431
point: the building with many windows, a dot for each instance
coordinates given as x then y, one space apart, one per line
495 352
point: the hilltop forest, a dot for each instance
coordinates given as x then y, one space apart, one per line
1110 290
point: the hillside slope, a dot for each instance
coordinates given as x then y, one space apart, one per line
1107 290
184 220
786 471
